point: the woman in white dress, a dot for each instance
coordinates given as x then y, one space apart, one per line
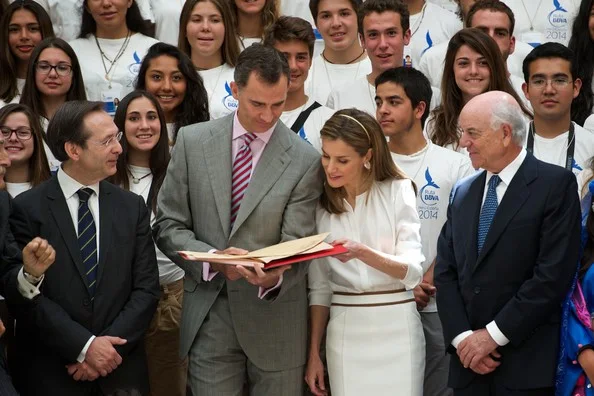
113 40
53 77
253 18
23 25
375 343
167 73
141 169
207 35
23 141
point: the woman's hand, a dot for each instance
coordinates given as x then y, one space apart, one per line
314 376
355 249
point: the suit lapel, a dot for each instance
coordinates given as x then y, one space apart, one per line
217 153
271 165
515 196
106 208
59 209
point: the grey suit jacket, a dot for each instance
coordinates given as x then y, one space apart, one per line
194 207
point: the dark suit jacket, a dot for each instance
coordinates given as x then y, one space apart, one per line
53 332
521 275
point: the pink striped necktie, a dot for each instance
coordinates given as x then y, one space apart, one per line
242 169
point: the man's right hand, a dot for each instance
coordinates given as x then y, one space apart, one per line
228 271
38 255
102 356
423 293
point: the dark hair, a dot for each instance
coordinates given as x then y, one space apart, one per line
159 158
8 63
39 170
381 6
134 21
67 125
268 15
362 132
31 95
583 48
268 64
3 7
314 5
494 6
288 28
230 48
194 107
414 83
445 130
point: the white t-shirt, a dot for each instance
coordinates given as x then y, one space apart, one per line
432 62
435 170
583 178
15 189
324 77
589 123
449 5
554 151
123 74
217 82
168 271
166 15
310 131
430 27
245 42
361 95
551 19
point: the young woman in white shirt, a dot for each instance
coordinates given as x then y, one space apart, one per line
53 77
252 18
23 140
113 40
207 35
23 25
375 343
473 65
141 169
167 73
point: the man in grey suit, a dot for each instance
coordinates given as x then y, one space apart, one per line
244 181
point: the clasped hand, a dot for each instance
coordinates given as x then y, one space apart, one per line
38 256
478 352
100 360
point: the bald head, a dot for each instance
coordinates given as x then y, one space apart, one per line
493 130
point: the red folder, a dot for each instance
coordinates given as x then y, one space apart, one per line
336 250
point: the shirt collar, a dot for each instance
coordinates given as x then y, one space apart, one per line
70 186
507 174
239 130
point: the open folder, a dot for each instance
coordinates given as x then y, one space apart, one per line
284 253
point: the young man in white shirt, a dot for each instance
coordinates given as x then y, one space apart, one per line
294 38
430 25
403 97
343 59
384 30
551 85
498 21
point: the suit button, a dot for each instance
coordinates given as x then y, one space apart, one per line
477 290
86 302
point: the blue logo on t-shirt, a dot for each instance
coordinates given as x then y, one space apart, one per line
558 17
302 135
575 165
428 193
429 42
229 101
134 68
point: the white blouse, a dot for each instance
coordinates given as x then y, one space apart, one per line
385 219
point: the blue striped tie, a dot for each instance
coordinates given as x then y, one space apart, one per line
87 238
488 211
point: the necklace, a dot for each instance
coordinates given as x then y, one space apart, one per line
531 19
421 166
115 60
215 85
420 21
328 73
349 62
136 180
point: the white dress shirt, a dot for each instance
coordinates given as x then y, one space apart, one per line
506 176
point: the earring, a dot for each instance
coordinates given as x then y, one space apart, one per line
367 165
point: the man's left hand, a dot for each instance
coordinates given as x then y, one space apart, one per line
475 347
82 372
258 277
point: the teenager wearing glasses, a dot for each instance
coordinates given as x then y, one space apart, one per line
23 141
53 77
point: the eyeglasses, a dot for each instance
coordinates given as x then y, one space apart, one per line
557 82
107 142
22 133
62 69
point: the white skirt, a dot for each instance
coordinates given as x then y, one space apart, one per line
375 345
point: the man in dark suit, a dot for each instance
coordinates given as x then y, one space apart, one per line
505 258
84 334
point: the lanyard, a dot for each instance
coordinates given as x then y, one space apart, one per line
570 144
